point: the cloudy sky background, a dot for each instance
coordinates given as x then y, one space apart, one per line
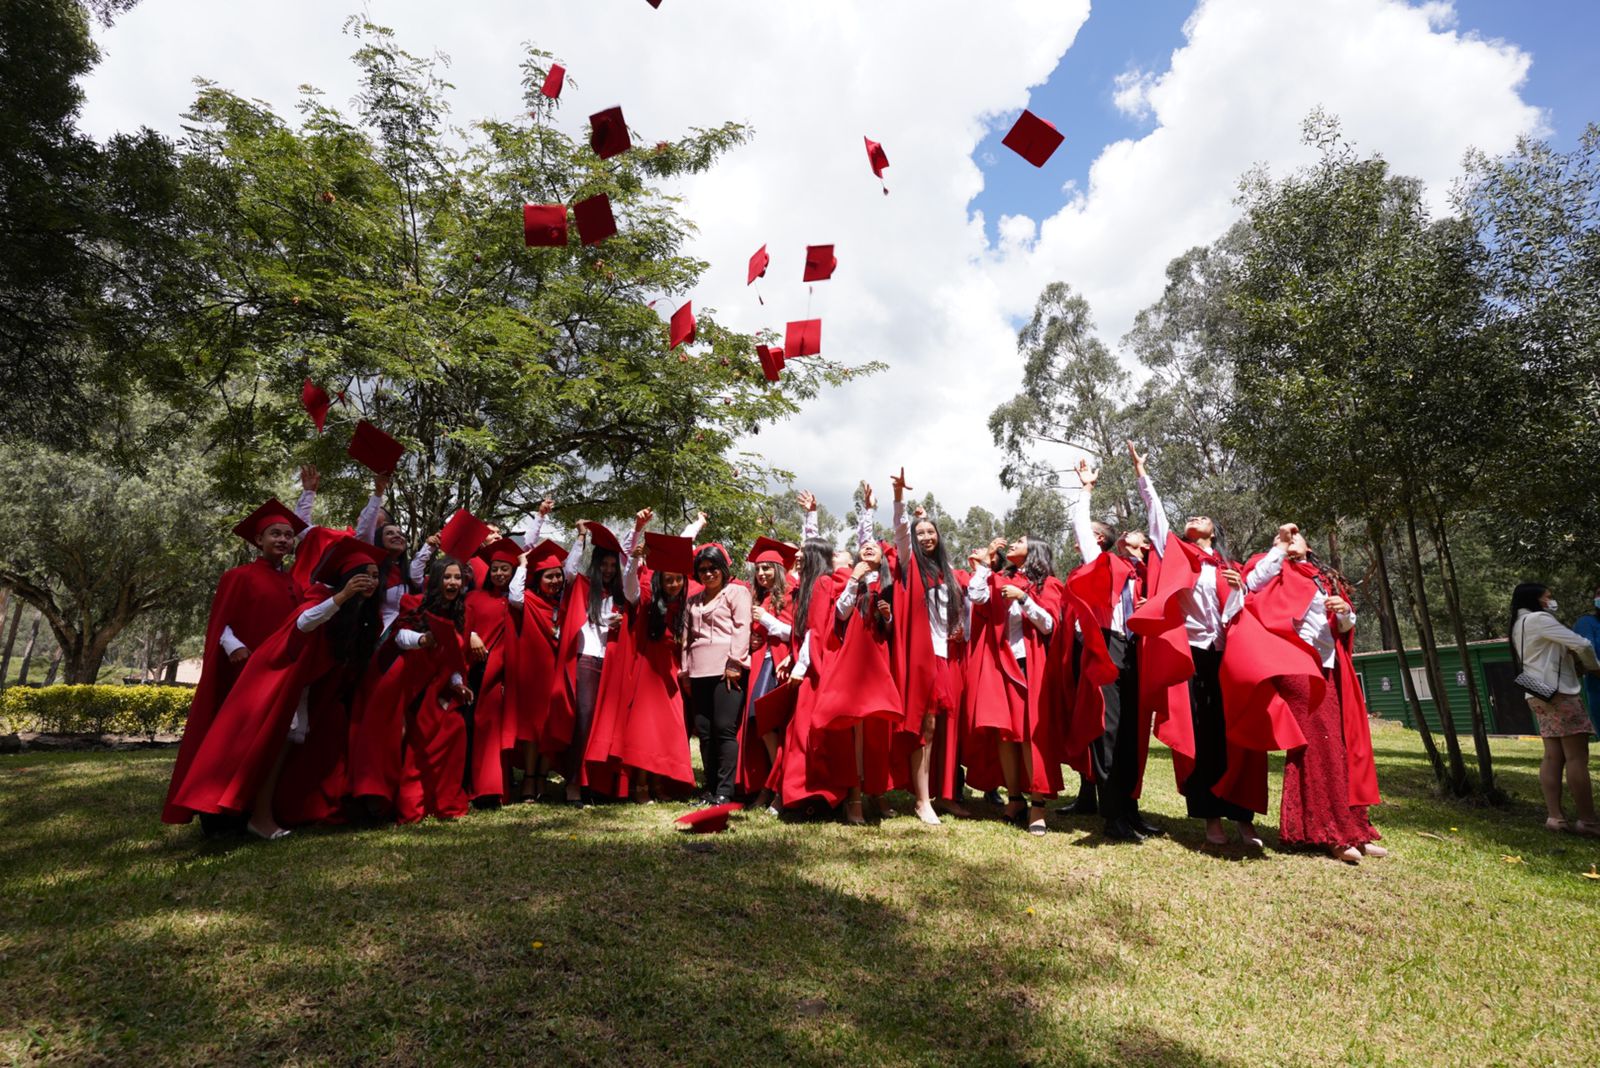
1164 105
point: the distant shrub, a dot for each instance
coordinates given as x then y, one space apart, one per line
95 709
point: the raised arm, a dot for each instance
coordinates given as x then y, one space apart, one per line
1268 567
902 525
694 527
808 506
1083 515
367 521
1155 513
866 520
630 573
310 481
569 566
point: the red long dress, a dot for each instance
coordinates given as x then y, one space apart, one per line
435 749
812 766
638 722
489 617
531 675
1011 703
378 718
755 767
859 689
928 684
254 600
1331 778
250 726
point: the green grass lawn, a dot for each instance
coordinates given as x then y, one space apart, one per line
601 936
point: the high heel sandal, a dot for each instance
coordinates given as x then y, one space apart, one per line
852 814
1036 824
1016 812
926 814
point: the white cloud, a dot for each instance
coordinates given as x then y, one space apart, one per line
918 283
1131 93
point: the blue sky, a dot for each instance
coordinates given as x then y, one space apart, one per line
1561 35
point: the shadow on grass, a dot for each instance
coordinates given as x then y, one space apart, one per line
539 932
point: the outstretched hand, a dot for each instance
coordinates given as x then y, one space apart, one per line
642 517
547 506
807 501
310 477
1138 461
899 483
869 500
1087 476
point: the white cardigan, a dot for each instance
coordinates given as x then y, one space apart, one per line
1543 645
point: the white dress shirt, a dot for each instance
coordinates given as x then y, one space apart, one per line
1312 625
1016 611
1123 604
592 639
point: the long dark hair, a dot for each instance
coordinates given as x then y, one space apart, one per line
665 611
353 632
393 561
816 560
1528 596
599 589
867 599
1331 576
1038 565
934 569
775 596
433 591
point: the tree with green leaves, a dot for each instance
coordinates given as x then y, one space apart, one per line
1365 384
381 256
94 546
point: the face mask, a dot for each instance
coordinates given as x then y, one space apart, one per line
1551 606
1597 602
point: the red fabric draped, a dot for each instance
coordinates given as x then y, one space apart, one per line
254 600
531 671
1011 705
1088 602
252 723
814 759
639 715
560 722
754 765
859 689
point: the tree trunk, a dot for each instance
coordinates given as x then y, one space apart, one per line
1480 725
1386 592
1457 782
27 653
10 643
55 666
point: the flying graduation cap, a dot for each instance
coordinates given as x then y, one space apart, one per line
712 820
1033 138
462 535
820 262
802 338
608 133
771 361
314 399
879 160
375 450
758 269
544 225
595 221
682 327
670 554
553 81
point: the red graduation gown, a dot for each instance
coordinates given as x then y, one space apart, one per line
754 765
1088 599
859 688
1010 705
252 723
435 750
639 715
254 600
815 759
531 675
488 616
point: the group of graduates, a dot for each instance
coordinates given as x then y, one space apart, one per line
362 684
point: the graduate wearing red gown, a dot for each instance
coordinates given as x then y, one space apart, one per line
808 774
251 604
284 686
532 674
488 628
771 628
1014 714
638 724
1330 778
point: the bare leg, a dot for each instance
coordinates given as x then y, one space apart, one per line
1011 772
531 778
261 819
921 762
1576 748
1550 777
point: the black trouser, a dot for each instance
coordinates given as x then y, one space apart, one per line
1210 741
1115 754
715 707
588 688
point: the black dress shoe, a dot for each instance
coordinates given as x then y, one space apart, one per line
1145 827
1120 830
993 797
1086 804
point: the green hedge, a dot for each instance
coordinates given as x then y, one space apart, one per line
95 709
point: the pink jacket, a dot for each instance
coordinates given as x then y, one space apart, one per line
717 632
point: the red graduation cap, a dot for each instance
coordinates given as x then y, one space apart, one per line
771 361
773 551
274 511
462 535
878 158
375 450
447 640
758 265
553 81
545 555
711 820
777 705
608 133
544 225
653 3
820 262
595 221
802 338
669 553
502 549
600 537
346 554
1033 138
314 399
682 328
